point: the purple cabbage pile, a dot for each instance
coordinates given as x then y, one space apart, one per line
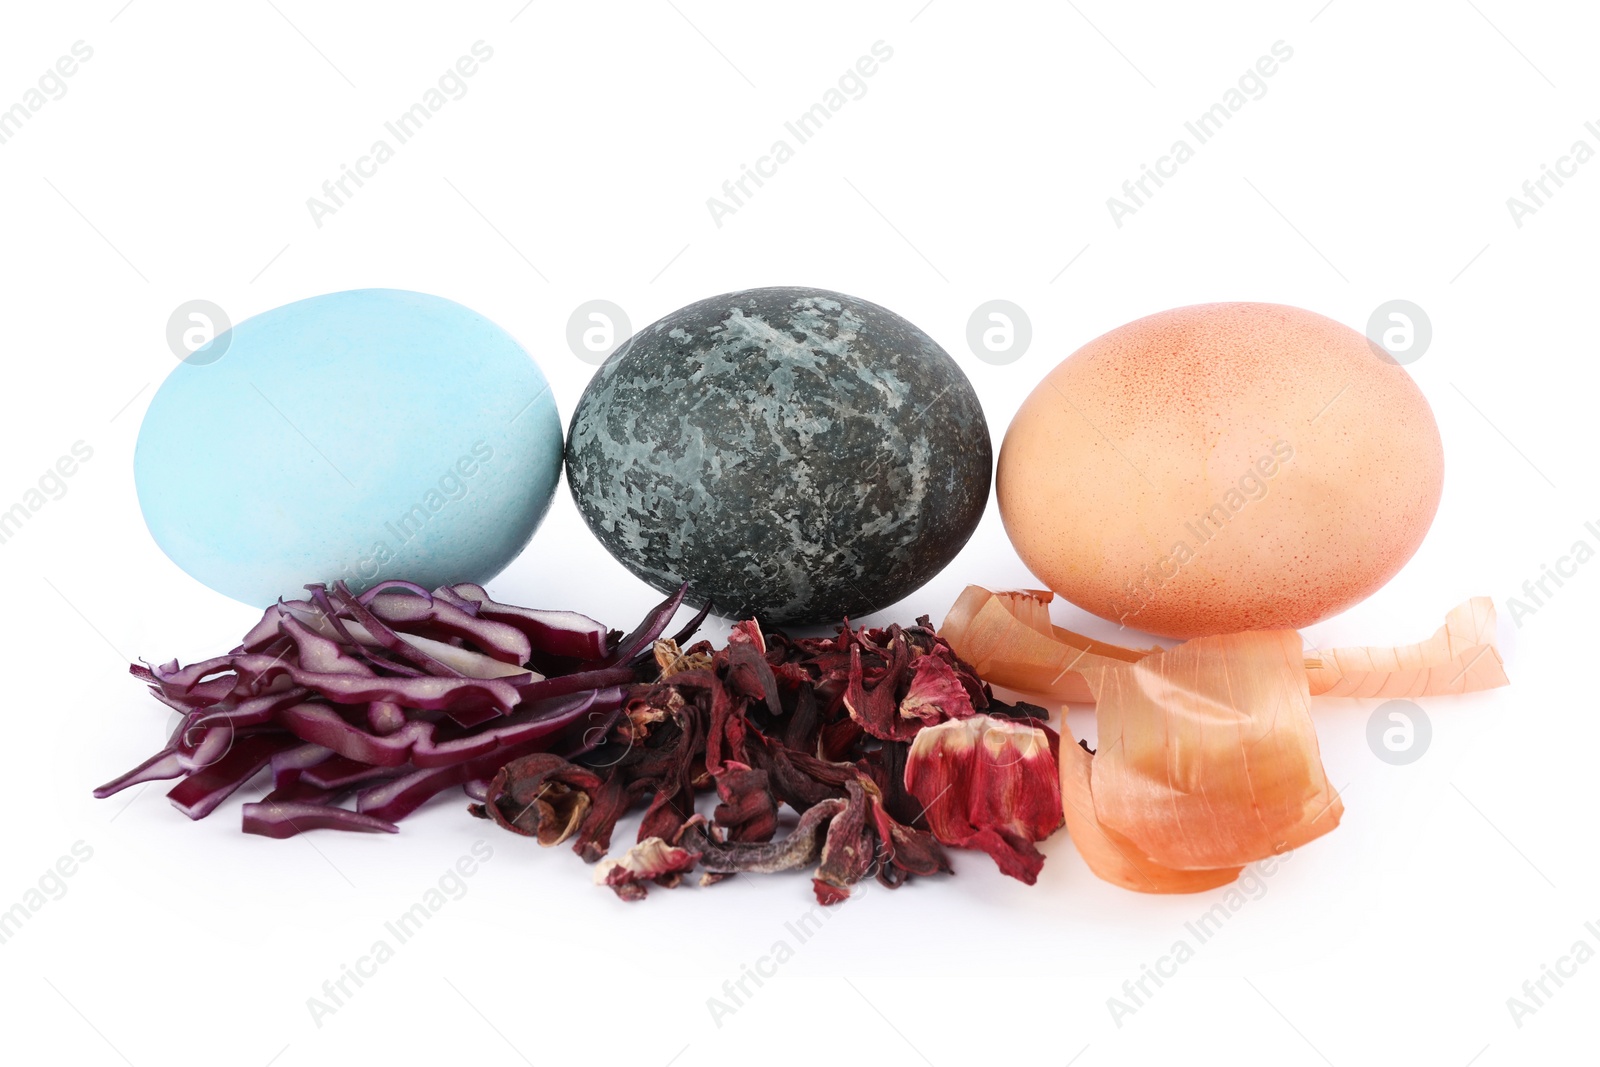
394 696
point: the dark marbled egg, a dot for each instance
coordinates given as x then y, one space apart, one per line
794 454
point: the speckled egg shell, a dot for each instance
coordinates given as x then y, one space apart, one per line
1220 468
795 454
362 436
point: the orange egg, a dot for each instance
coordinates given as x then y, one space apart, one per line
1220 468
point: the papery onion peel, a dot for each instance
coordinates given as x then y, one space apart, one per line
1207 758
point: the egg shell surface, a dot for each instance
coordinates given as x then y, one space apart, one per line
795 454
1220 468
362 435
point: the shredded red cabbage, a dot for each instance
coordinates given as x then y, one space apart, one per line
394 695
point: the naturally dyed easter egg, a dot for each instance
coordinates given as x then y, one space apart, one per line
795 454
1220 468
363 435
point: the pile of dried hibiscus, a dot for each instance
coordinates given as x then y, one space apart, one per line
884 743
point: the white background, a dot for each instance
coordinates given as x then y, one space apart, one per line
977 166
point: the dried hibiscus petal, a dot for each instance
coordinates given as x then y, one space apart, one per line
541 796
848 851
797 786
673 660
609 804
988 783
876 708
651 860
748 811
902 850
937 693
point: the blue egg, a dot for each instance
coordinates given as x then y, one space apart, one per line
365 435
